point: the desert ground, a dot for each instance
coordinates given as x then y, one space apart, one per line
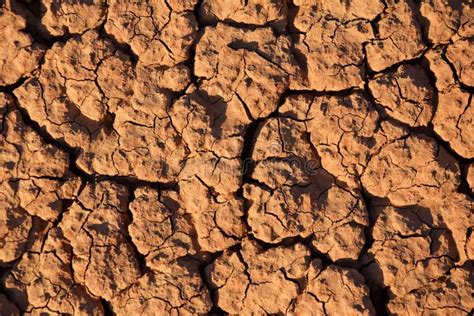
244 157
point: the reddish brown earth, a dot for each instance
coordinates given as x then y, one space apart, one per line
300 157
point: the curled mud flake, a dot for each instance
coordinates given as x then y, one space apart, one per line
229 276
332 42
257 280
45 280
156 32
72 17
332 291
411 171
450 294
399 37
26 206
214 134
20 54
253 12
282 138
405 94
103 259
176 289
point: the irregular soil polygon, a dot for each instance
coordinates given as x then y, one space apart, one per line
300 157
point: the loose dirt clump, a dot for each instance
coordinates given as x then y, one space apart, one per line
296 157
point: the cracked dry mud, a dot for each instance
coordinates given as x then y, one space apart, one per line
300 157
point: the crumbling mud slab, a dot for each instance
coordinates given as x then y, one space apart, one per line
287 157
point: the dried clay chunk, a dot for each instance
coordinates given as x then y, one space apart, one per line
454 117
20 53
411 171
76 17
268 281
253 12
332 38
405 94
295 196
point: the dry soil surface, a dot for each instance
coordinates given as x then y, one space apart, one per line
300 157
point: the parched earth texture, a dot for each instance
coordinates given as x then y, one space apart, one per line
288 157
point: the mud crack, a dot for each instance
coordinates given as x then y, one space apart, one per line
236 157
